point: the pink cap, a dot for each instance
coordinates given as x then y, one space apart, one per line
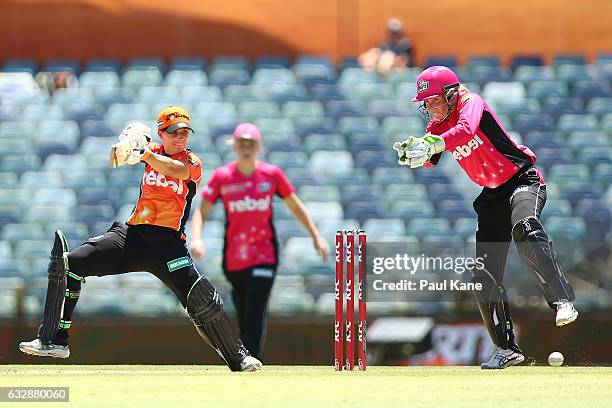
247 131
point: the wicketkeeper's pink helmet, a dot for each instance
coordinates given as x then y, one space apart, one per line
435 81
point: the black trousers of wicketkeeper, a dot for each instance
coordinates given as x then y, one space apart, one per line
162 252
512 212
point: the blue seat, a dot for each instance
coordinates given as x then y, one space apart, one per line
349 125
20 163
542 89
539 140
361 210
421 227
349 62
592 156
454 209
309 125
484 74
573 73
92 214
8 179
483 60
557 106
353 76
299 178
147 63
449 61
93 128
547 157
599 106
338 109
432 178
103 196
364 142
272 61
9 214
381 109
223 77
59 65
602 174
570 123
326 92
576 191
17 232
230 62
597 217
314 74
439 192
188 63
317 142
103 64
370 160
20 65
305 59
465 228
589 89
569 59
384 176
525 60
525 123
409 210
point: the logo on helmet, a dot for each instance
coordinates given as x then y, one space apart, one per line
422 85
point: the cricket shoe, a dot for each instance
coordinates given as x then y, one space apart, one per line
502 358
36 348
250 363
566 313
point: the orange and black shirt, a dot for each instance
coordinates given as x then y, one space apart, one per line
166 201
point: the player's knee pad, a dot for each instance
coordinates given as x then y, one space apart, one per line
203 302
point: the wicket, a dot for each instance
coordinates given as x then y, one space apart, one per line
349 333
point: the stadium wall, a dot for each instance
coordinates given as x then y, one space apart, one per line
309 340
45 29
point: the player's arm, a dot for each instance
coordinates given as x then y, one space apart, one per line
197 225
166 165
297 208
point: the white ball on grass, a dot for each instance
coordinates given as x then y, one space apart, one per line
555 359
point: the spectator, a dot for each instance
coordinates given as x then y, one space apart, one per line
396 52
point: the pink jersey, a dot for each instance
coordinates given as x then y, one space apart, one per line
249 236
481 145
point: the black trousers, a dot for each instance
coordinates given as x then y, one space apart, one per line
251 289
125 248
498 210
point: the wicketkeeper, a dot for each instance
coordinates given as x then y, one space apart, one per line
508 208
152 240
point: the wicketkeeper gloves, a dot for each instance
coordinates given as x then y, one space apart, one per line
416 151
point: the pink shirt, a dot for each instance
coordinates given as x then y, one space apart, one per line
481 145
249 237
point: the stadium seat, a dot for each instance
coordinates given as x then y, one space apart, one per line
339 109
589 89
136 78
89 178
19 163
250 111
298 110
58 65
99 79
408 210
323 162
348 125
388 228
102 65
362 211
45 214
356 193
92 214
519 61
223 77
101 196
542 89
592 156
324 193
358 142
401 192
557 106
574 73
576 191
354 76
371 160
454 210
316 142
324 211
602 174
465 227
449 61
383 176
421 227
598 219
308 125
326 92
561 174
20 65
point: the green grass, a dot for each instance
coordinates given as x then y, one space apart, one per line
317 387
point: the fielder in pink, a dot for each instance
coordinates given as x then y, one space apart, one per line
250 238
247 188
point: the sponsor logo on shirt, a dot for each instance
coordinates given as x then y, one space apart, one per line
232 188
265 186
249 204
462 151
153 178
